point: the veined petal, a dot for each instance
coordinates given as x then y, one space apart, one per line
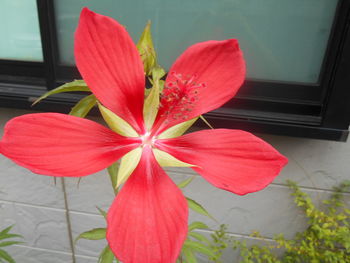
203 78
110 64
147 221
233 160
62 145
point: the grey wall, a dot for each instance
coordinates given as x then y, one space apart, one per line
41 210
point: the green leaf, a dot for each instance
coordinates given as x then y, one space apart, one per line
116 123
146 49
199 237
197 225
83 107
76 85
9 243
6 235
186 182
6 230
198 208
4 255
106 256
167 160
128 164
103 213
94 234
199 247
188 254
177 130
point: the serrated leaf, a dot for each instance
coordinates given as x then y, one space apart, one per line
197 225
103 213
116 123
106 256
167 160
188 254
4 255
94 234
76 85
128 164
177 130
146 49
199 247
9 243
198 208
186 182
83 107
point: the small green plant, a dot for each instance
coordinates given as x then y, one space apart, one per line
4 242
326 239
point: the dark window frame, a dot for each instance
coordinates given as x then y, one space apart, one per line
296 109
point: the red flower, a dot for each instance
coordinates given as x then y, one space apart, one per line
148 219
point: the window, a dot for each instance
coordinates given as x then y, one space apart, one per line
297 54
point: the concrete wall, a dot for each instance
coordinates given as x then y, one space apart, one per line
49 214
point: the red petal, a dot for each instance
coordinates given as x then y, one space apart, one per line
110 64
62 145
202 79
148 220
233 160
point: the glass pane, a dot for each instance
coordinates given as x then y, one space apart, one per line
283 40
19 30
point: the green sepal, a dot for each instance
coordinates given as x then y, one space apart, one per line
83 107
128 164
5 256
167 160
93 234
198 208
113 174
106 256
146 49
76 85
177 130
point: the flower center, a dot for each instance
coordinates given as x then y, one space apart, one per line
179 95
147 139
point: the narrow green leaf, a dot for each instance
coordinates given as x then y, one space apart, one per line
197 225
198 208
4 255
103 213
188 254
9 243
83 107
106 256
186 182
94 234
199 247
199 237
6 230
7 235
146 49
76 85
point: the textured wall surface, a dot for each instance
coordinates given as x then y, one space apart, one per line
48 215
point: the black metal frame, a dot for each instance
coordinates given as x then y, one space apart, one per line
297 109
